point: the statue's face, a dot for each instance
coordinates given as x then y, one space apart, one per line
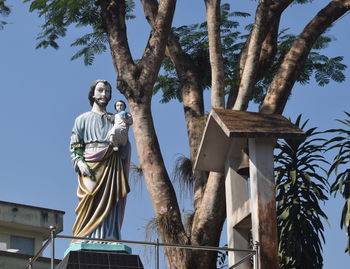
119 106
102 94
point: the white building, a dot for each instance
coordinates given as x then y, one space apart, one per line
23 229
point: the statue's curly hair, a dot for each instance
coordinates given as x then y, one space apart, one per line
92 90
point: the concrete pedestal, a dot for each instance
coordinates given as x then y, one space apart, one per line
100 259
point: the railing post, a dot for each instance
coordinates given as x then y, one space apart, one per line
256 256
30 263
157 254
53 235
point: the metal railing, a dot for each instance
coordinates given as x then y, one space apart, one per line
251 252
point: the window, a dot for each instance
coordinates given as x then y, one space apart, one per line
24 244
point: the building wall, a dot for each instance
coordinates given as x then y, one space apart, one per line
6 233
34 218
19 261
25 228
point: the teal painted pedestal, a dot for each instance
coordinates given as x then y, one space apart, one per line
100 247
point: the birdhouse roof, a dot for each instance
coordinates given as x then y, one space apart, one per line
224 125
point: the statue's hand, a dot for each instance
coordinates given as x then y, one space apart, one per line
84 169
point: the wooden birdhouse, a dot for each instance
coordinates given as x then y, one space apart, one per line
240 145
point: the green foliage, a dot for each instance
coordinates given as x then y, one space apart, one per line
194 41
60 14
300 187
4 11
341 168
168 84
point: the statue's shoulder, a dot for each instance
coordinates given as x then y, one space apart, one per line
82 118
84 115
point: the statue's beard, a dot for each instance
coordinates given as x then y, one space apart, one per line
102 102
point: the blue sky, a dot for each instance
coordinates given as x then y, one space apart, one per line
43 91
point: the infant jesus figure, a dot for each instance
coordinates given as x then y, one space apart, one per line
118 135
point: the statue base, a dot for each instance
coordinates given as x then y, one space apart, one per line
99 256
98 247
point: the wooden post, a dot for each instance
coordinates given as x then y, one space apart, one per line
263 204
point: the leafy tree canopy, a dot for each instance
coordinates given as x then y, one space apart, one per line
194 41
60 14
4 11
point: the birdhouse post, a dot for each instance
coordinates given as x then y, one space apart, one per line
240 145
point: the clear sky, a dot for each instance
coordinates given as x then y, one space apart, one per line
43 91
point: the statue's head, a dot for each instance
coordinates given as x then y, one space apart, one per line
119 105
99 83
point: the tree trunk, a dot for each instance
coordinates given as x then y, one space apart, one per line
209 217
193 104
209 198
136 81
158 184
215 54
293 62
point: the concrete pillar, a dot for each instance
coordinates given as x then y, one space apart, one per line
263 204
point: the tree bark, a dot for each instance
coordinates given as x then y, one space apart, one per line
293 62
209 217
215 54
158 184
250 68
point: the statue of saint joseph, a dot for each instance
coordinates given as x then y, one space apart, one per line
102 172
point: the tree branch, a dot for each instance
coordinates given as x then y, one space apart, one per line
269 45
251 63
155 50
293 62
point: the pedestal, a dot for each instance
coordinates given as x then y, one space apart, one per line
100 256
